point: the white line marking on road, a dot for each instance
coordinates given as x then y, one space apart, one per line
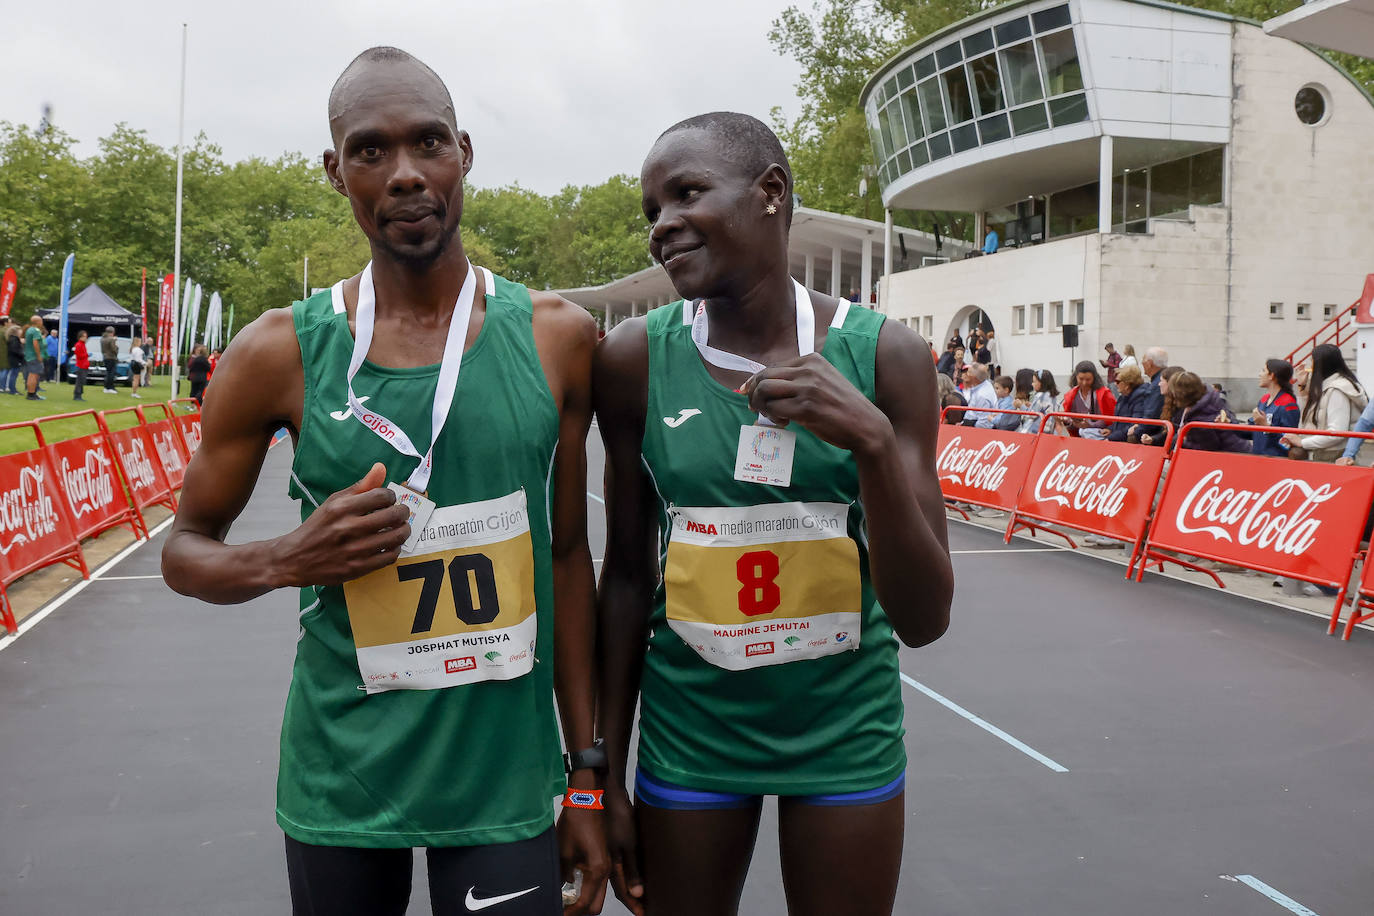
1008 550
33 619
595 497
127 578
986 726
1283 900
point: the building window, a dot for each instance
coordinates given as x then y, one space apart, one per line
1023 75
1312 104
1077 312
930 327
1057 311
1304 310
1276 310
1060 63
956 94
1037 318
1329 311
1018 319
987 84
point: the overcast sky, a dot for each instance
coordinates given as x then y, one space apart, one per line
553 93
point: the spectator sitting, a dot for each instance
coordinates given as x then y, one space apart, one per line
1088 396
980 393
1195 401
1002 386
1333 397
950 397
1044 395
1148 435
1277 408
1364 424
1133 400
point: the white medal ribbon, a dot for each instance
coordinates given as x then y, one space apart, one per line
723 359
443 392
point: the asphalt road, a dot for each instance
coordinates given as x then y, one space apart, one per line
1138 749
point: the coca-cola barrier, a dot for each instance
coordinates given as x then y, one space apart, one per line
1299 519
138 461
186 412
91 480
984 467
1090 485
1364 599
36 527
167 440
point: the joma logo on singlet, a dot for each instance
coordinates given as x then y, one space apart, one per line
700 527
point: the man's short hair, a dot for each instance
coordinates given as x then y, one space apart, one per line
1158 355
979 371
382 54
745 141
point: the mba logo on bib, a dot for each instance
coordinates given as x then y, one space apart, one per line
741 582
463 599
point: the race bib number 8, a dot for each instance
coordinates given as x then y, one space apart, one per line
763 585
458 610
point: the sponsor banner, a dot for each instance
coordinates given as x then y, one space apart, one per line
776 642
34 527
142 470
1296 518
739 582
458 610
90 483
189 424
1092 485
167 445
9 284
67 267
1367 577
982 466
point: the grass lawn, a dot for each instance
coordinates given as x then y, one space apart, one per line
17 408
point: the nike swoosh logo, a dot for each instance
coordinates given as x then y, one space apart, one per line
682 417
343 414
475 903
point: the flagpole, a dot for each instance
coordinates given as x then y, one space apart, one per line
176 269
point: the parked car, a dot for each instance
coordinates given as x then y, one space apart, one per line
95 375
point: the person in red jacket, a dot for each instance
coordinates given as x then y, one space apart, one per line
83 362
1088 396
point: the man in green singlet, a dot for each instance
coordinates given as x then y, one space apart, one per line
439 415
774 521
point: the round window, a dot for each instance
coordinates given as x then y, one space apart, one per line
1311 105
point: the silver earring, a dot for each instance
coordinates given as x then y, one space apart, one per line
770 209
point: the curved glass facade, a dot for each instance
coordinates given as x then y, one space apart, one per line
1007 80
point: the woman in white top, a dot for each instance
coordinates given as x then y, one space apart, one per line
136 368
1334 401
1127 357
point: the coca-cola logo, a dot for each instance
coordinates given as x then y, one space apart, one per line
90 485
192 429
136 464
1098 488
167 449
1279 519
982 468
27 512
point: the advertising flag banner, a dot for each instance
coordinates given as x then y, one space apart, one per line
9 284
164 320
143 305
1364 311
66 299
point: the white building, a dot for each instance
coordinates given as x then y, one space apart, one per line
1157 174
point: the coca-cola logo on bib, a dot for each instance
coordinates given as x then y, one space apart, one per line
136 464
983 468
90 486
1278 519
27 512
1098 488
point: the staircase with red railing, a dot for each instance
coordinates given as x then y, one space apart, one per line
1340 330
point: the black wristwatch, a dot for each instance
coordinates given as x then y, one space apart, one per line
591 758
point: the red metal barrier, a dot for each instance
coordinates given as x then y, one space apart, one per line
1091 485
35 526
138 463
166 439
984 467
1363 606
1267 514
87 471
188 423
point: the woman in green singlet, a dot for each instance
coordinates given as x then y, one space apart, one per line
774 520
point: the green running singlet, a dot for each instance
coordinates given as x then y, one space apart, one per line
376 765
771 668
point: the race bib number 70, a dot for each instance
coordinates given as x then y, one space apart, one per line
458 610
751 586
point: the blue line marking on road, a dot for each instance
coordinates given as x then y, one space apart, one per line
986 726
595 497
1283 900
